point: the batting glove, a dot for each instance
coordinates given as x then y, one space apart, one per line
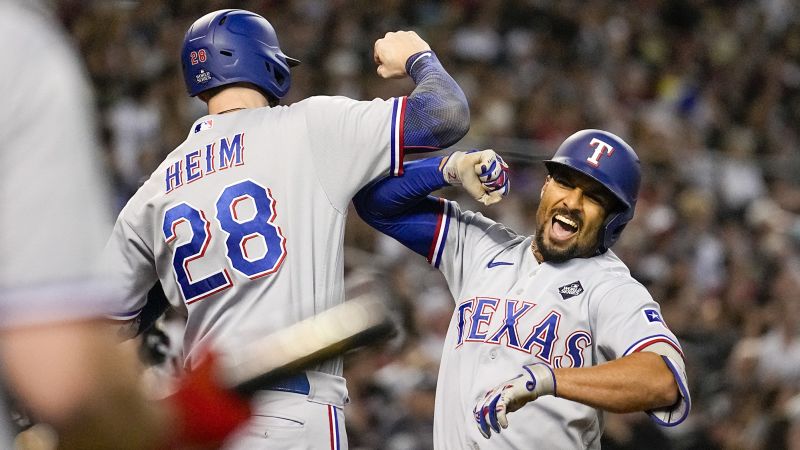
535 381
483 174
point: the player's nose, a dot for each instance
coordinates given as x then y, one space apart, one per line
573 198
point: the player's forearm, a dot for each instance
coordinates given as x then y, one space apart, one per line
390 197
437 112
401 208
638 382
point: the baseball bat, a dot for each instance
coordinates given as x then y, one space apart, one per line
356 323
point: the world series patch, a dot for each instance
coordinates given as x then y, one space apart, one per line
570 290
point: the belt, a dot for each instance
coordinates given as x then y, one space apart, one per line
297 384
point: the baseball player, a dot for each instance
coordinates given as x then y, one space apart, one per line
243 222
549 330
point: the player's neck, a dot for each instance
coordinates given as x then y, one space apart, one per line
235 98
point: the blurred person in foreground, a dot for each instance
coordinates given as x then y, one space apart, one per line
61 360
554 321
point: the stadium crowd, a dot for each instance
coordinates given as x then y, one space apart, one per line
707 91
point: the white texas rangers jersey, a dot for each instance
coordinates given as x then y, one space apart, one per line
243 223
512 310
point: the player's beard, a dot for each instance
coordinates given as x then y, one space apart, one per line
556 255
551 254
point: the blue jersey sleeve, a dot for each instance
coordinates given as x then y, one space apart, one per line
437 112
402 208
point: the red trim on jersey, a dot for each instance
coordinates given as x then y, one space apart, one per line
241 163
202 252
401 133
648 343
188 164
174 232
330 427
219 289
243 244
280 261
186 262
235 203
274 207
436 233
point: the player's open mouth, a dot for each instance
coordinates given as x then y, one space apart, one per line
562 227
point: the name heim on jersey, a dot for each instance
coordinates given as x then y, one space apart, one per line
213 157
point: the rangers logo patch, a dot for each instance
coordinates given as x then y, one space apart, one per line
570 290
203 76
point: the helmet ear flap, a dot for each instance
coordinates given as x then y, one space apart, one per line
614 224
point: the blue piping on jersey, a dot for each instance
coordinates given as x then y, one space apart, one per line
397 145
125 316
683 392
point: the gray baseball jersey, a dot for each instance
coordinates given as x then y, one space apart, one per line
512 310
56 213
243 223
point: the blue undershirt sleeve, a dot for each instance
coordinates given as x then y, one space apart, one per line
402 208
437 112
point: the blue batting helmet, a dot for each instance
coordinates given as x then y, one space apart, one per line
234 46
611 162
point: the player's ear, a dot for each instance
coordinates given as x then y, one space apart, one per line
546 181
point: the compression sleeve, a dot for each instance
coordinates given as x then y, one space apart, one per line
437 112
400 207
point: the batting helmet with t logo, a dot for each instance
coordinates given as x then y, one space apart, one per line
611 162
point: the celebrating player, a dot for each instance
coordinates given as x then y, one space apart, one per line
243 222
555 321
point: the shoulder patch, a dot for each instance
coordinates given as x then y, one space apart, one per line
653 316
570 290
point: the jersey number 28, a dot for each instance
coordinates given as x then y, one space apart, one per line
239 230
